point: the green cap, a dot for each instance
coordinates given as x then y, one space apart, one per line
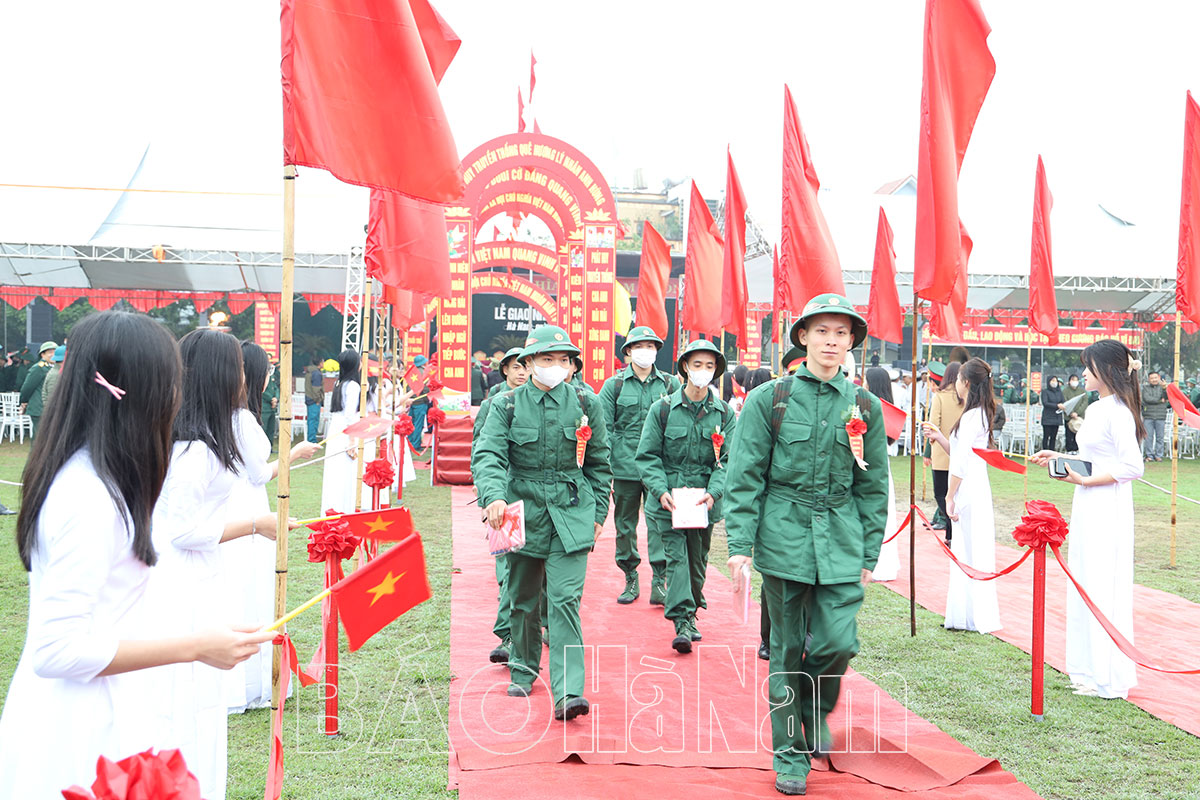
641 333
702 345
937 369
830 304
509 356
548 339
793 355
47 346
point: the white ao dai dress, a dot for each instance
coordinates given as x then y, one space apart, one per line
1100 552
970 604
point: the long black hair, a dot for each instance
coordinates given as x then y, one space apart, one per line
950 378
978 376
213 388
348 366
128 440
879 383
1113 362
256 364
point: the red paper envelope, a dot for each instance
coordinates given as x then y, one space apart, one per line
893 419
996 459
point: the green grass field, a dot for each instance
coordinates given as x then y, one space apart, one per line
396 688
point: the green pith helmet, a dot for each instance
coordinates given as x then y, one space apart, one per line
548 339
577 360
793 354
641 334
830 304
47 346
699 345
1004 378
937 369
508 357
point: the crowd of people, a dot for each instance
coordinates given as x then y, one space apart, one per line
145 522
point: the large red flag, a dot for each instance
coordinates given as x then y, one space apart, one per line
779 295
408 308
885 320
532 75
381 590
734 294
957 71
360 95
808 258
1043 308
1187 281
440 41
406 244
947 318
701 311
654 272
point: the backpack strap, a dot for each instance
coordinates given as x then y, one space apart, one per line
664 411
618 384
779 401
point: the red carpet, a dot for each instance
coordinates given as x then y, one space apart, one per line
1165 627
660 719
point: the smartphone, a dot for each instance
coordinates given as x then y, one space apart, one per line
1058 467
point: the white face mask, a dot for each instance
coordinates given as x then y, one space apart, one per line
1074 383
700 378
643 356
550 376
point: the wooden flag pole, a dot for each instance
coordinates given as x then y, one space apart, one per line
283 485
925 412
1177 377
363 380
1028 381
912 482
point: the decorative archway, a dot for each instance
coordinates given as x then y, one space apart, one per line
533 174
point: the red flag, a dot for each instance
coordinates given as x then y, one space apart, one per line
947 318
380 591
532 75
779 298
537 128
808 258
893 419
654 271
360 96
701 312
734 294
520 112
408 308
957 69
439 39
885 320
1182 406
406 244
1043 309
996 459
387 525
1187 281
369 427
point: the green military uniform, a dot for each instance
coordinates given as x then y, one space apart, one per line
813 521
1000 388
270 415
31 387
1193 393
526 451
502 628
676 450
626 400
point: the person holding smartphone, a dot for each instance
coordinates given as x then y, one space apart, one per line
1101 552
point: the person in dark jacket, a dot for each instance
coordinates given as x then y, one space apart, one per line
1154 414
1052 412
31 388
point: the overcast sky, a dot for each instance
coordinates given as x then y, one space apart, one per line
1097 88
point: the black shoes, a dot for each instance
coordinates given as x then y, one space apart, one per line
632 590
500 654
764 651
786 784
516 690
572 707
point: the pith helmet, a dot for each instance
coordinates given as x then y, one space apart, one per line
701 345
792 356
639 334
508 357
830 304
548 339
937 369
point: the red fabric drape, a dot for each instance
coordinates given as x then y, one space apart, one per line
360 96
885 320
734 294
947 318
406 244
1187 282
701 308
654 271
957 71
1043 308
808 258
240 301
408 308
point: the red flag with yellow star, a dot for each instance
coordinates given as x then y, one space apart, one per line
383 525
372 596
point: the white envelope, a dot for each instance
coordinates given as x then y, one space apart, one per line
689 511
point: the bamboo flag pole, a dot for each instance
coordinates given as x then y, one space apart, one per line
925 412
1177 377
1028 381
285 416
363 380
912 482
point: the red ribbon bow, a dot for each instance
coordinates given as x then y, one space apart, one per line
144 776
436 415
331 540
379 474
403 426
1041 525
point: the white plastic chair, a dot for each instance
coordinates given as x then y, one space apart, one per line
11 418
299 416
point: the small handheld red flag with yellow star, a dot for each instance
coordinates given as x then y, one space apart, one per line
384 525
371 597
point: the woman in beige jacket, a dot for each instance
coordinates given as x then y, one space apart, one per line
944 410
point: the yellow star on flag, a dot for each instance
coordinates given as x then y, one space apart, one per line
386 586
378 525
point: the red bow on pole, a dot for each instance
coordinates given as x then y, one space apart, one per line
330 542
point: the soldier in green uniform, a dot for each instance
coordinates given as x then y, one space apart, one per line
576 378
514 375
270 408
1000 387
809 515
676 450
527 451
626 399
31 387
